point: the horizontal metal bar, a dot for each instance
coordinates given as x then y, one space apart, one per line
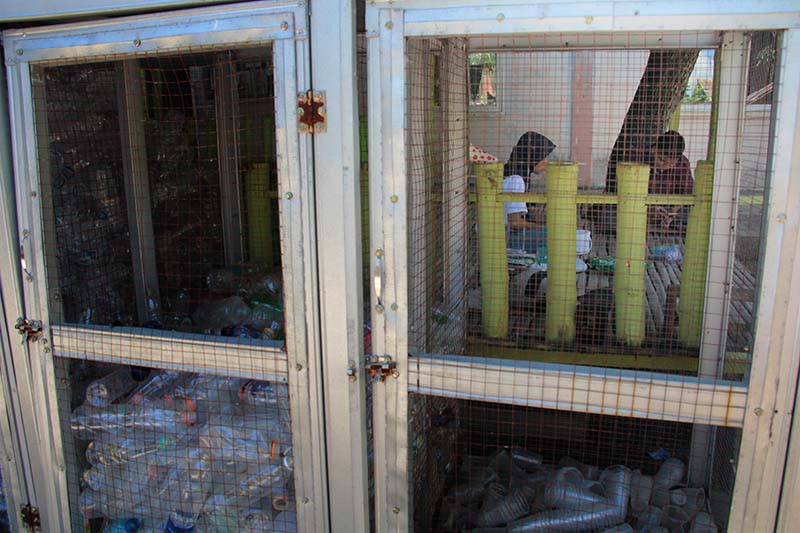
593 41
477 18
581 389
594 198
173 350
250 23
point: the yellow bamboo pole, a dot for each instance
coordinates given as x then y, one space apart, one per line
629 269
259 215
492 249
695 261
562 188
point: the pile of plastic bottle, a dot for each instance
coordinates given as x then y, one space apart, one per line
513 491
186 452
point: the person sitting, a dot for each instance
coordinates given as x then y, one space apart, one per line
670 173
528 156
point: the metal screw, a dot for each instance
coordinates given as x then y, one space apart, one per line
396 510
500 17
758 411
63 381
378 253
393 198
34 194
28 277
25 234
781 218
137 42
56 297
19 51
305 499
44 341
46 350
284 25
394 307
288 195
379 308
395 374
299 367
389 25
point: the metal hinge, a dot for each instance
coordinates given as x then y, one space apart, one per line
29 329
381 367
311 112
30 518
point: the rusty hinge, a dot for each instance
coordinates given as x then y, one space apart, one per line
30 518
381 367
29 329
311 112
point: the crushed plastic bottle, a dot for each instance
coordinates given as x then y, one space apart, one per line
195 482
110 450
109 388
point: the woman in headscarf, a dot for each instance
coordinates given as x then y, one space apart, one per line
528 156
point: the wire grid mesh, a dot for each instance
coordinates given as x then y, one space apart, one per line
147 448
635 297
5 525
159 192
163 210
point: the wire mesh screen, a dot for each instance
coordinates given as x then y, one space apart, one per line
156 450
521 241
588 207
484 465
159 183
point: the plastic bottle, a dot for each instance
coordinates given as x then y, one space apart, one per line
195 482
265 393
88 422
130 525
109 388
111 450
213 316
253 439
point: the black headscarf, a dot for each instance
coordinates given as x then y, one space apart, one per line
531 148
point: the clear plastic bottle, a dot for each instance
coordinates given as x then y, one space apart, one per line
264 393
112 450
253 439
107 389
195 482
88 422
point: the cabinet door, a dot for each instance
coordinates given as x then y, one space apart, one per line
166 208
611 334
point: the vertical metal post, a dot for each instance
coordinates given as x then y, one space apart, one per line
137 185
226 112
695 262
492 249
455 179
562 222
629 295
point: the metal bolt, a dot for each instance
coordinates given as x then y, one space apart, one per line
781 218
378 253
389 25
394 307
56 297
379 308
284 25
299 367
395 374
305 499
25 234
46 350
34 194
500 17
137 42
396 510
288 195
19 51
393 198
758 411
63 381
28 277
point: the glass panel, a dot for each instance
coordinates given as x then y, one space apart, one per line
484 465
150 450
160 183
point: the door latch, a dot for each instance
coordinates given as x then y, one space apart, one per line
381 367
29 329
30 518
